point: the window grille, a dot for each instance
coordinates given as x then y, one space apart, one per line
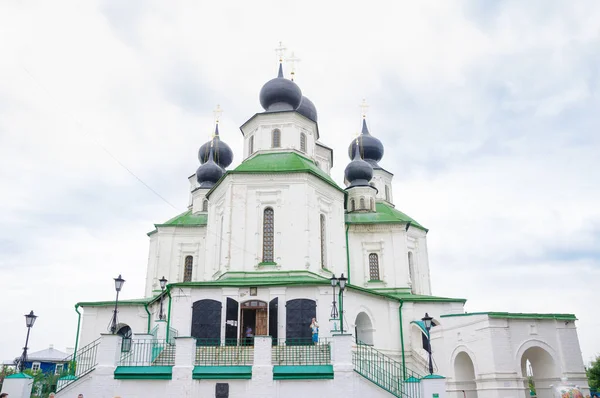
188 268
323 242
302 142
276 139
268 235
374 267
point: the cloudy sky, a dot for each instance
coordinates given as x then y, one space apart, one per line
489 112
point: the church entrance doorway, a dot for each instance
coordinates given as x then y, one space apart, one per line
254 320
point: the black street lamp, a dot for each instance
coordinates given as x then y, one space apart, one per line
342 283
427 321
118 285
29 321
334 311
163 284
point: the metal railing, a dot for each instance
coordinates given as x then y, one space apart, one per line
173 333
154 331
301 352
78 364
228 352
151 352
386 372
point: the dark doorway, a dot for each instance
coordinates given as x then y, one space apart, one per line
254 321
299 314
273 309
206 322
231 322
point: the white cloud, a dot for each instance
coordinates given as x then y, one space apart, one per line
488 114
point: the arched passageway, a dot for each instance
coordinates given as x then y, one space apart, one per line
464 375
364 329
543 371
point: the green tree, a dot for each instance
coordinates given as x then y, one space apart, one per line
593 374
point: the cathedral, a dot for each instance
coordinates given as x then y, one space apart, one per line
273 248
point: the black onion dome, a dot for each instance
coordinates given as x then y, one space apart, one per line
280 94
307 109
209 173
372 148
358 172
223 155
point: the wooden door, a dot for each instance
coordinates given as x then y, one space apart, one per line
261 322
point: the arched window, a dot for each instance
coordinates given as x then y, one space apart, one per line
205 205
276 139
374 267
125 332
372 204
251 145
221 240
323 242
302 142
387 193
411 272
352 205
268 235
362 203
188 268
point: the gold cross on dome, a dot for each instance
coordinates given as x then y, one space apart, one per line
280 51
217 112
292 61
363 108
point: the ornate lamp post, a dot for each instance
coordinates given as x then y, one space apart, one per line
163 284
427 321
334 311
342 282
118 285
29 321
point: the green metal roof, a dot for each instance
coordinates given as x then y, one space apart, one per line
185 219
19 376
140 301
385 214
509 315
279 162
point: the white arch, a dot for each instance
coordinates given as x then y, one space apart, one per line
367 311
466 350
539 344
364 328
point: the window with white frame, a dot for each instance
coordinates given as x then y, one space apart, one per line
362 203
35 367
59 368
302 142
205 205
352 205
251 145
411 272
188 268
268 235
276 138
387 193
323 242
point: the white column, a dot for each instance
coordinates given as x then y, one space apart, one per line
109 350
343 368
262 384
185 357
18 385
433 386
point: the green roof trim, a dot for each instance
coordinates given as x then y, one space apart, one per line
433 377
143 373
302 372
279 162
131 302
19 376
512 315
222 372
185 219
385 214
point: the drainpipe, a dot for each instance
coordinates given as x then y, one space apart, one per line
169 310
78 326
402 341
348 253
148 312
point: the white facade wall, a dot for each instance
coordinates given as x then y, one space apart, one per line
298 199
97 320
381 179
324 158
168 249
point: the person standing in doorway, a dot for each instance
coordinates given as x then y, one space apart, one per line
314 327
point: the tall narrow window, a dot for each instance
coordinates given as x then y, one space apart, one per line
323 242
362 203
373 267
352 205
221 240
251 145
188 268
268 235
276 138
411 272
302 142
205 205
387 193
372 204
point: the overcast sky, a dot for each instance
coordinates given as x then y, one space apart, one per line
489 113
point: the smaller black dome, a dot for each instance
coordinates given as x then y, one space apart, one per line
223 154
209 173
358 172
280 94
371 147
307 109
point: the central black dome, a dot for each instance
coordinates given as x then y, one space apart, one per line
371 147
280 94
358 172
209 173
223 155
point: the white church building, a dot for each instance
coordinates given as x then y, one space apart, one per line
251 262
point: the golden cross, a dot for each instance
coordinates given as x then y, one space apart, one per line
363 108
280 51
293 60
217 112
